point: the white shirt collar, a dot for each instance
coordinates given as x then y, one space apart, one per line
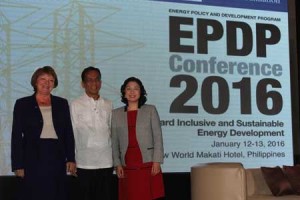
85 96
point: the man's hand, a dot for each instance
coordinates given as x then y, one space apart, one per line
71 168
20 173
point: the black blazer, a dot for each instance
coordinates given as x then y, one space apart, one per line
27 127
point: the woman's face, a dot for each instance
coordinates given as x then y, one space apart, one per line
45 84
132 92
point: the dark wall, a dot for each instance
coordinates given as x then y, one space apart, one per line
177 187
294 25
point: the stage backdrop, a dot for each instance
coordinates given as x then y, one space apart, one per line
217 70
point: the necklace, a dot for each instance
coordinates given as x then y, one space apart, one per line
43 101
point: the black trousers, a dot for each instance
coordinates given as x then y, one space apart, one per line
95 184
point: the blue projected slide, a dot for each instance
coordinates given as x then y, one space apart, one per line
218 71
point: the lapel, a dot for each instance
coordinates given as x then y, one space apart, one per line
139 117
36 114
56 113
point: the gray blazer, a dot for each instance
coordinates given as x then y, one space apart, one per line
148 133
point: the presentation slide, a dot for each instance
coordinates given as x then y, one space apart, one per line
218 71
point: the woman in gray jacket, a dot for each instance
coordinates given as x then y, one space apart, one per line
137 145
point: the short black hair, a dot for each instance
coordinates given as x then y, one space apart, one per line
88 69
142 99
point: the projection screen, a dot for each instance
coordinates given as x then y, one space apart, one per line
218 71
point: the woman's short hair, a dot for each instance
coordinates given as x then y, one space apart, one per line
40 71
142 99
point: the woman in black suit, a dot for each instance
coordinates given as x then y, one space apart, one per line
42 142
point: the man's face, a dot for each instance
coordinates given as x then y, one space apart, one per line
92 83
